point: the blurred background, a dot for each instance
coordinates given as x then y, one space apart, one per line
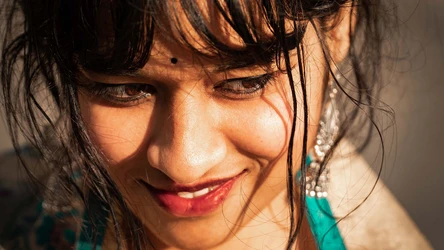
414 170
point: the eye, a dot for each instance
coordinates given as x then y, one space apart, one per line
244 87
125 94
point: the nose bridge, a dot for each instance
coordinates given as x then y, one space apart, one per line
185 146
186 119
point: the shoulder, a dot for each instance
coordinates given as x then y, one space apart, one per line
373 218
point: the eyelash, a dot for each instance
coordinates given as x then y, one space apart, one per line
114 93
259 82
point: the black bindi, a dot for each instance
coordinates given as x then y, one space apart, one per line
173 60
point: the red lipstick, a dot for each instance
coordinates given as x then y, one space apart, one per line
193 201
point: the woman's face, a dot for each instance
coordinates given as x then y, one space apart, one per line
201 155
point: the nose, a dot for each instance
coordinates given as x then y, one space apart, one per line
186 143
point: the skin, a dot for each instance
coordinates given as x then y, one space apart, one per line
189 132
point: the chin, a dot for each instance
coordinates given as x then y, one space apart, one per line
202 238
206 232
210 231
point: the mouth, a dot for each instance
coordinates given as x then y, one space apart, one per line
193 201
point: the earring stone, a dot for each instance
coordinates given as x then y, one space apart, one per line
316 178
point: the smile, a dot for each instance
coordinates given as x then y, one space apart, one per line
193 201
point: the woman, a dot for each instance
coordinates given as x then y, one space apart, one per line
198 125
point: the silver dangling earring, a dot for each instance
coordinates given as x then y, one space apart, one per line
317 182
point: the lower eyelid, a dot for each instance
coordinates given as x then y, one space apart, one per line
240 95
107 93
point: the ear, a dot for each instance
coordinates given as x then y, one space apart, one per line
338 37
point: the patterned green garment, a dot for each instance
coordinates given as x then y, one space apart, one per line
25 224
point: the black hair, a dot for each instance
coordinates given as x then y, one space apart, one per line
46 42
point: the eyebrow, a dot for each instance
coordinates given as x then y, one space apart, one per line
264 62
130 73
139 73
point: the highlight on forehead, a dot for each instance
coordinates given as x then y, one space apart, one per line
235 33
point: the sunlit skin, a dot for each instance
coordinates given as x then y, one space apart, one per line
190 132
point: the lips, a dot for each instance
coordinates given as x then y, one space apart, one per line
193 201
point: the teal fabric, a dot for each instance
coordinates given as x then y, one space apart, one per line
322 222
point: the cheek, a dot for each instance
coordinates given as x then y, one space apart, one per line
261 129
118 133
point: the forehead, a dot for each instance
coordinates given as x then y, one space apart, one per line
165 50
189 66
